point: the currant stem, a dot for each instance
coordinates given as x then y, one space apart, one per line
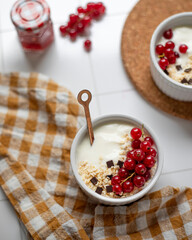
127 178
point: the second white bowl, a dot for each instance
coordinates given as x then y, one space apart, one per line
166 84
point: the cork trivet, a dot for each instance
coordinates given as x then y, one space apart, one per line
136 36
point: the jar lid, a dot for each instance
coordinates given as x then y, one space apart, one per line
30 14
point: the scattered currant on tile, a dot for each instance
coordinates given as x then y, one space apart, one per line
87 45
80 21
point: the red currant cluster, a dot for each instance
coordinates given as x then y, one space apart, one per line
79 22
166 53
136 168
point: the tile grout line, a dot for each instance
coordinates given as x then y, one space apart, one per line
177 171
94 84
115 92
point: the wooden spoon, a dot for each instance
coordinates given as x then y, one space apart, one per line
85 104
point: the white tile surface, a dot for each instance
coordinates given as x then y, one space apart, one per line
65 61
176 179
9 226
174 134
105 56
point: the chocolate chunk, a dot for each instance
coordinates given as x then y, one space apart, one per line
99 190
166 72
187 70
120 163
109 188
110 176
110 163
184 80
178 67
94 180
190 81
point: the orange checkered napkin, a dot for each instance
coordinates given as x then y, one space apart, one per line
38 121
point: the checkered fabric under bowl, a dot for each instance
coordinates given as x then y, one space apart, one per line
38 121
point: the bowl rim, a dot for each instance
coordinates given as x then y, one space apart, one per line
152 48
103 199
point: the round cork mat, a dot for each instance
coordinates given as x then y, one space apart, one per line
136 36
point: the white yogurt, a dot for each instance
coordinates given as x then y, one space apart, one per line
181 35
107 144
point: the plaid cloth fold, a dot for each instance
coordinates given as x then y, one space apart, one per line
38 121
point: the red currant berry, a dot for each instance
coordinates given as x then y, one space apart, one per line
147 175
149 139
115 180
138 181
117 189
149 161
168 52
80 10
129 164
152 152
86 20
176 54
63 29
127 186
136 133
72 33
139 155
145 146
183 48
87 45
136 144
130 154
168 34
80 27
96 14
159 49
172 59
123 173
140 169
163 63
90 6
73 18
170 45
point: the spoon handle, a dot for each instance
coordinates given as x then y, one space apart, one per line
85 104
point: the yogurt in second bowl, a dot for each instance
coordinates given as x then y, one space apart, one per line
174 54
121 161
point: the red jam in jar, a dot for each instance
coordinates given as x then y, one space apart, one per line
33 24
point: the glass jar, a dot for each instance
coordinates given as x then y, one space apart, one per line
33 24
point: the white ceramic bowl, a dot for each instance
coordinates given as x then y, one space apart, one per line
167 85
99 198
